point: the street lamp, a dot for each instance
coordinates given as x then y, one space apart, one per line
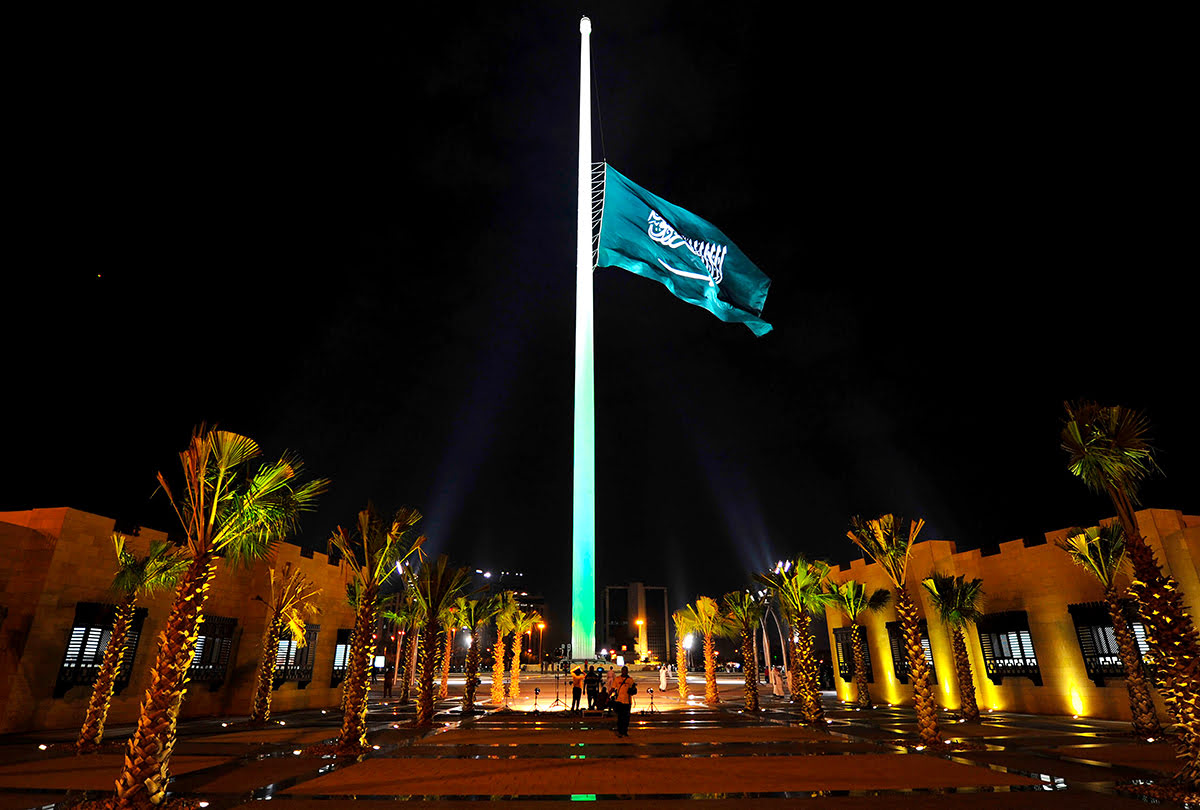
688 641
541 661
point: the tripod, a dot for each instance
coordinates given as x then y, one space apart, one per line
651 710
556 702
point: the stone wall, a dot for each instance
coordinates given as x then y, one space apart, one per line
1032 576
56 558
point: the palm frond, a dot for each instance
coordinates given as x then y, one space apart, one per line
958 600
888 540
1108 447
1100 550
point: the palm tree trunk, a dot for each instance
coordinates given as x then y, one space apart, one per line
681 668
927 725
796 687
711 696
430 650
966 678
146 770
750 665
418 629
472 668
444 689
97 712
860 667
498 669
353 737
1141 705
514 688
261 710
1171 635
807 675
403 665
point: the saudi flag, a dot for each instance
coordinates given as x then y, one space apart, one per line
649 236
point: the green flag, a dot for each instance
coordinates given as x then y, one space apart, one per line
649 236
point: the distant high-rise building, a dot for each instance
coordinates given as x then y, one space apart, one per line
624 606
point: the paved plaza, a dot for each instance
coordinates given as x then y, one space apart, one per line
681 753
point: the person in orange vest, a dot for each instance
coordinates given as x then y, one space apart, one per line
623 691
576 688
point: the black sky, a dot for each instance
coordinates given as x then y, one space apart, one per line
353 236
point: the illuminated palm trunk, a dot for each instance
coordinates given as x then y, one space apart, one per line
444 690
860 667
806 675
414 646
97 712
750 665
498 670
927 725
261 711
681 667
430 650
514 689
1174 650
358 675
1141 705
472 668
711 696
146 770
966 678
403 666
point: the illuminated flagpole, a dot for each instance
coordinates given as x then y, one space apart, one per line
583 569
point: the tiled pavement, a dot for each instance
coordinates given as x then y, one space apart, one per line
684 754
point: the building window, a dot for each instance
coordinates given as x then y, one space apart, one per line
90 633
844 650
294 663
1098 641
341 657
1007 647
214 648
900 658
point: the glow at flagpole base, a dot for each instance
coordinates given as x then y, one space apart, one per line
583 539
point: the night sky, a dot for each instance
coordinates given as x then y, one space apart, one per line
353 237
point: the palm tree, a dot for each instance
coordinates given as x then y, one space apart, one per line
476 614
743 611
851 598
136 576
958 601
799 588
1108 448
888 540
405 616
369 555
438 585
230 509
293 601
682 629
503 618
1101 552
449 621
522 623
706 618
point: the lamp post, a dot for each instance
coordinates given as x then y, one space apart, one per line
640 647
688 641
541 660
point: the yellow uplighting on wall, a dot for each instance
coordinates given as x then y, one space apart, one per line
1076 701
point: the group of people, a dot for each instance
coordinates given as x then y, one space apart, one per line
605 691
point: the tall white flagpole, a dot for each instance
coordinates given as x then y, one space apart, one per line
583 568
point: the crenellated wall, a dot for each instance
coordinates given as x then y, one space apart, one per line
1034 576
56 558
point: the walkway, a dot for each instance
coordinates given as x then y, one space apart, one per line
682 754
